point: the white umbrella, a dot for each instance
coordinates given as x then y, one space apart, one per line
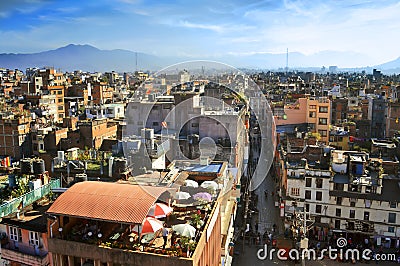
185 230
191 183
159 210
209 184
180 195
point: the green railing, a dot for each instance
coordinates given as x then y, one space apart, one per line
25 200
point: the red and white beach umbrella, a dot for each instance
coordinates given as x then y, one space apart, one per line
159 210
149 225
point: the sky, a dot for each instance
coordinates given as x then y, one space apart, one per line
207 28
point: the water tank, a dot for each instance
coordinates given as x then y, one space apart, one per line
119 165
11 181
38 167
26 166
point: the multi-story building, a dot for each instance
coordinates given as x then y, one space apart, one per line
315 112
353 198
108 110
14 135
101 93
26 242
58 91
393 120
47 139
90 134
363 201
377 111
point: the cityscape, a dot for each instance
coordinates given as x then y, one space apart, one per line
183 154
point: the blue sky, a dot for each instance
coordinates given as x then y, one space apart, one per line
204 28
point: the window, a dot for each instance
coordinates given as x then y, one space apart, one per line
323 133
308 194
319 182
323 121
60 100
392 217
295 191
323 109
34 238
317 219
391 229
367 204
393 205
339 201
337 224
59 92
366 216
318 195
338 186
353 202
308 182
60 108
311 126
338 213
318 208
307 207
312 114
15 234
352 214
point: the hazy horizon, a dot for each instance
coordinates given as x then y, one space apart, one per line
206 29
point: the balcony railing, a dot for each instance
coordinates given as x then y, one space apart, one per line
24 254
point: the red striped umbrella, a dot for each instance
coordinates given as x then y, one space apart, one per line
149 225
159 210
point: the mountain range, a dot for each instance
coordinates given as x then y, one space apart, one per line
89 58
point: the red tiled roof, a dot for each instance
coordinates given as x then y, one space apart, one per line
123 203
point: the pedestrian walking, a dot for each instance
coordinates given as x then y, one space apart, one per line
165 233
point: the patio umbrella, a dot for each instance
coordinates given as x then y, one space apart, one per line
184 230
149 225
180 195
203 196
209 184
191 183
159 210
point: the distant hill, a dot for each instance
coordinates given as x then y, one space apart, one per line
390 67
83 57
89 58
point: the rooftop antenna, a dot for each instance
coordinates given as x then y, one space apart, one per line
287 60
136 61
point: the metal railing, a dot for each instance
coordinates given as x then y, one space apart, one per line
16 204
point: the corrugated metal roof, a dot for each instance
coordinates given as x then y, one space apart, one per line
123 203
